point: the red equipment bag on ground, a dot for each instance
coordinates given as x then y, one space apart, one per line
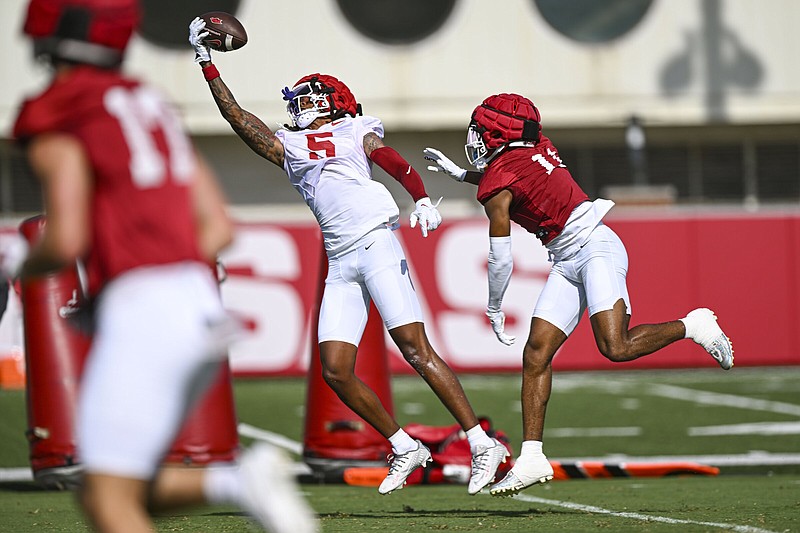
452 460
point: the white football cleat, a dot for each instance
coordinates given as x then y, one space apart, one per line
528 470
270 492
401 465
710 336
485 462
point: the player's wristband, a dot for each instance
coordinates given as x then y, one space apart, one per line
210 72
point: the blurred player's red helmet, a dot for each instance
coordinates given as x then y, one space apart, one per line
318 95
501 119
82 31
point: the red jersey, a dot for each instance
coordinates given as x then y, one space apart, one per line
142 161
544 191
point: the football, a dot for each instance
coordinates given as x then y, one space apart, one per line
225 32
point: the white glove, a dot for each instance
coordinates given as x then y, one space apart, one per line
13 251
427 214
197 33
444 164
498 320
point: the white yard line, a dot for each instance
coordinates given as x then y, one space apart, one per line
726 400
276 439
639 516
755 428
754 458
16 474
748 459
624 431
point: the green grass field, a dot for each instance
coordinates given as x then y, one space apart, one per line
745 421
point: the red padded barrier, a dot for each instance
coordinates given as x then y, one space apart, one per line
55 354
334 435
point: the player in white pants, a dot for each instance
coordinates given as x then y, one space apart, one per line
127 195
327 153
373 269
521 178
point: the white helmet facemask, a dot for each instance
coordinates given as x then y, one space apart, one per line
304 105
476 149
477 153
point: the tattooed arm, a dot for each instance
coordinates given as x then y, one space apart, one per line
249 127
371 143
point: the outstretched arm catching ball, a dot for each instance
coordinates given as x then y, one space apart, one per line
252 130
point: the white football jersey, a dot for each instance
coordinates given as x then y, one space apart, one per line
330 169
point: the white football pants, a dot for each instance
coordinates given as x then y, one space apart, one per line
374 268
594 278
149 360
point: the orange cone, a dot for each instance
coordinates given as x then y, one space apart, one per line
334 435
12 371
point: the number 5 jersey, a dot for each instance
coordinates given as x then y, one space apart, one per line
330 169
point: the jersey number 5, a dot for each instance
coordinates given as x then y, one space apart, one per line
316 144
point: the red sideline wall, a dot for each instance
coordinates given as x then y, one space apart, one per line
746 267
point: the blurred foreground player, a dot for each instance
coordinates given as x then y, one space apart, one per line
521 178
125 192
327 153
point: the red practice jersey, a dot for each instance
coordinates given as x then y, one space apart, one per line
544 191
142 161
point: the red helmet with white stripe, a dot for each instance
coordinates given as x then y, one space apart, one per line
82 31
501 119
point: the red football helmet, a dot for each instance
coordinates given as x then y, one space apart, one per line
319 95
82 31
501 119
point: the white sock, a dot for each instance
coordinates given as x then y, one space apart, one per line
222 486
531 447
402 443
476 437
690 323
